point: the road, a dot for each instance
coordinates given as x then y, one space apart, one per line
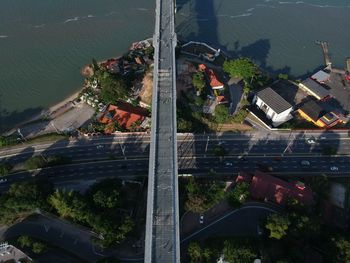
195 153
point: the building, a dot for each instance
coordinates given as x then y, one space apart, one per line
315 89
314 112
272 189
277 109
321 76
214 83
127 116
9 253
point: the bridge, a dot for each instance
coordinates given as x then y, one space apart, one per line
162 220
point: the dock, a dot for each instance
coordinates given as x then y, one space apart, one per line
325 50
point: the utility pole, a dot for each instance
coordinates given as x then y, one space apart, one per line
206 146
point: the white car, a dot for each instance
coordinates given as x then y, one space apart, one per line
99 146
334 168
3 180
305 163
310 141
201 219
228 164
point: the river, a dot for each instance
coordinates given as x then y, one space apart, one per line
44 44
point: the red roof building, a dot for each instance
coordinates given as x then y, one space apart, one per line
272 189
213 81
124 114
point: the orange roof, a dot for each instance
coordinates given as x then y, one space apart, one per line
214 82
124 114
202 67
264 186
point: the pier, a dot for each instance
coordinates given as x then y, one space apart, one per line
325 50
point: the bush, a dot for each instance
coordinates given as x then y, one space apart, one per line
239 194
39 248
35 162
24 241
240 116
5 168
221 114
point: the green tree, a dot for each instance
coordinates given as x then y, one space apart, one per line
239 194
219 151
241 68
39 248
113 88
5 168
278 225
24 241
198 81
341 249
238 252
35 162
95 65
329 150
221 114
194 251
107 199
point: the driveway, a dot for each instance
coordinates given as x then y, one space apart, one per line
240 222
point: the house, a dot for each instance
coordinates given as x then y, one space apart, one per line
314 89
125 115
214 83
277 109
314 112
321 76
272 189
9 253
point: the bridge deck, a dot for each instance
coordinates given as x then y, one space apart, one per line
162 226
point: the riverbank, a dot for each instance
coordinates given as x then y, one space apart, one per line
52 112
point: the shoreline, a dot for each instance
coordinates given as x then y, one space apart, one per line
46 112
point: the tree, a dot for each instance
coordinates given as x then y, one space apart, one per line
341 249
107 199
35 162
5 168
241 68
113 88
95 65
221 114
329 150
194 252
239 194
238 252
198 81
278 225
219 151
24 241
39 248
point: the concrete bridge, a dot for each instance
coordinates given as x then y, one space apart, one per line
162 223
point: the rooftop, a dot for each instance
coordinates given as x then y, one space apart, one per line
124 114
273 100
266 187
315 88
313 109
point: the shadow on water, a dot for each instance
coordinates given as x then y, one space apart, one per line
203 15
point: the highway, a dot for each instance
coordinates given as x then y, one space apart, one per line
195 156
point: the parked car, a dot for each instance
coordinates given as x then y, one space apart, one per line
334 168
305 163
265 168
3 180
201 219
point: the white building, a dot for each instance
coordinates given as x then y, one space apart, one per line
277 109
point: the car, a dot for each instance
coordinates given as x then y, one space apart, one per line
277 158
265 168
228 164
3 180
334 168
99 146
305 163
241 158
201 219
311 141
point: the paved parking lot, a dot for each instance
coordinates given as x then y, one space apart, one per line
340 90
